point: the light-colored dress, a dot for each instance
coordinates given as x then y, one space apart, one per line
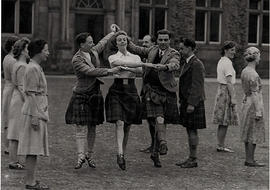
252 131
15 123
224 113
34 142
8 63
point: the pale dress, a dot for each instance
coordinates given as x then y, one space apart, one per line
15 123
34 142
8 63
252 131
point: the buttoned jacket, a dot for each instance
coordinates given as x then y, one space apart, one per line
87 71
170 58
191 81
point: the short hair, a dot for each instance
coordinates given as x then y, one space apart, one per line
251 54
227 45
10 42
19 46
188 43
121 32
81 38
164 31
35 47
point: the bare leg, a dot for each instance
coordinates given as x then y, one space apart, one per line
125 140
31 162
13 148
119 136
221 134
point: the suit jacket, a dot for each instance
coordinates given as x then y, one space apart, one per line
88 71
170 58
191 81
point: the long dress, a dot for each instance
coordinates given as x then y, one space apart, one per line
8 63
252 131
34 142
15 123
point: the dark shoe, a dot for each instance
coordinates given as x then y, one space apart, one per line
121 161
254 164
6 152
156 161
91 162
79 163
16 166
163 149
189 163
224 149
147 150
37 186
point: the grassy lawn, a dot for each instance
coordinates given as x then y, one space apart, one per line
216 171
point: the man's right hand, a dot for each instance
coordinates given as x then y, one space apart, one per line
114 70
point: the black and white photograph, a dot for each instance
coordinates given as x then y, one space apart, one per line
135 94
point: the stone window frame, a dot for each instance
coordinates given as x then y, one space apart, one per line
17 19
260 12
152 6
208 10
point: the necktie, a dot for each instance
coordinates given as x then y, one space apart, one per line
93 59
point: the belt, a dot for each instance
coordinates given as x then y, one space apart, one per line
124 80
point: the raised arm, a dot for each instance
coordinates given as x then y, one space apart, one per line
142 51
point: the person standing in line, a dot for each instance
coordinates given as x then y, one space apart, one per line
149 41
159 99
192 96
86 107
252 112
33 139
225 113
123 106
15 123
8 63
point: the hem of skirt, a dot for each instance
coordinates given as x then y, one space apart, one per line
129 123
33 154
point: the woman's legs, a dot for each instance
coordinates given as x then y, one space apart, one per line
6 141
221 134
13 147
125 140
120 136
31 162
250 151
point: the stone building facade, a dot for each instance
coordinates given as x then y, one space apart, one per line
209 22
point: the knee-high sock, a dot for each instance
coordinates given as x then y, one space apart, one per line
81 132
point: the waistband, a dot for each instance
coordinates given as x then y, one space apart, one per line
124 81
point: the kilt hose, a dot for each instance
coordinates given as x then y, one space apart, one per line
123 102
194 120
159 102
86 108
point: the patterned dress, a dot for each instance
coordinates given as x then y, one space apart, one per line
15 123
252 131
34 142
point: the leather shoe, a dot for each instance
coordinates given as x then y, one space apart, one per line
121 161
156 161
224 149
188 164
91 162
163 149
79 163
254 164
37 186
147 150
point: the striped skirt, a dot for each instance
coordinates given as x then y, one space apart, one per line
123 103
224 113
86 109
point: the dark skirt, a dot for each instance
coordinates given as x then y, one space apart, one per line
194 120
158 102
86 108
123 103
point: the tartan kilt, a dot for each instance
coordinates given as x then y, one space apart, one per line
159 103
123 103
85 109
194 120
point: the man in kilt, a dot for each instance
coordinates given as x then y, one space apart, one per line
192 96
86 107
159 99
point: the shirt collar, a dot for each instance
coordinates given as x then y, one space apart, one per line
121 54
189 58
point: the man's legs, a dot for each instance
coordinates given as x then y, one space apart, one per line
161 133
81 133
151 124
91 136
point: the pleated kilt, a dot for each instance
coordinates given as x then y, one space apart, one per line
86 108
123 102
159 102
194 120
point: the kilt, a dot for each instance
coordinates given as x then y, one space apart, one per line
194 120
123 103
86 108
159 102
224 113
